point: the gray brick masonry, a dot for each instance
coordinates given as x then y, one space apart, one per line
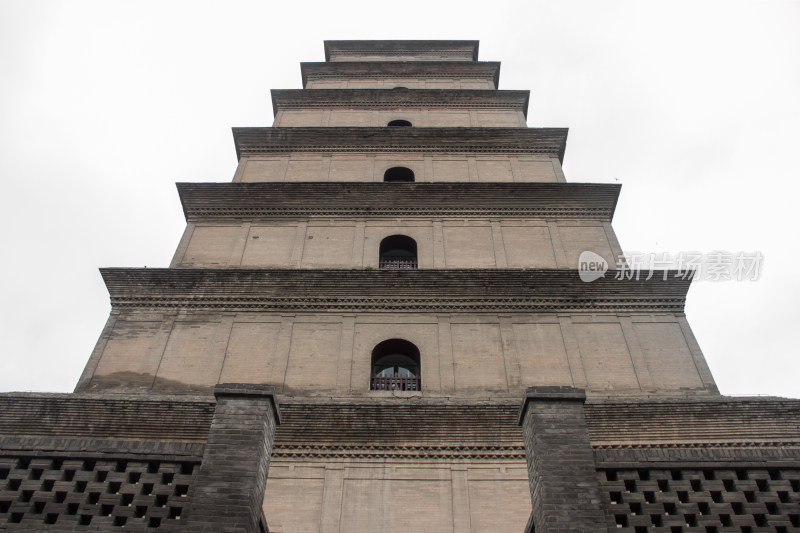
561 470
230 485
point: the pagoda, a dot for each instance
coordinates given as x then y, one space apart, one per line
384 323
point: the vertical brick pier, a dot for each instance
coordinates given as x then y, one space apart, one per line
229 489
565 492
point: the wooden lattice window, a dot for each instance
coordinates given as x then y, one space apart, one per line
396 366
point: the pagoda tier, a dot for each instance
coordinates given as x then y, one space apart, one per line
370 50
412 74
399 97
589 201
259 141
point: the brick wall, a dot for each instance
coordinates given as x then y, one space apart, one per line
709 465
82 462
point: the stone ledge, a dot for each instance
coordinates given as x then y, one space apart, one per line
99 448
768 454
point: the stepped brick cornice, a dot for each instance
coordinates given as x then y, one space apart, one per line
531 290
282 199
690 421
121 416
399 97
256 141
469 49
402 69
663 428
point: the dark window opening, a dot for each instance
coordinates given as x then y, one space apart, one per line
399 174
398 252
395 366
399 123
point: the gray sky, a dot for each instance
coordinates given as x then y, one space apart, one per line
693 106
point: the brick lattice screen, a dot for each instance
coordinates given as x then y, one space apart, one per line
707 500
50 493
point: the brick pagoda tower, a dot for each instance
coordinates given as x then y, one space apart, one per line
348 328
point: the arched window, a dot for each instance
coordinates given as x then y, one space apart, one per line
398 252
395 366
399 123
399 174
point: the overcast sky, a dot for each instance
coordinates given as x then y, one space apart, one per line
694 106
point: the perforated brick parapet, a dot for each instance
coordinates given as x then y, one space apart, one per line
703 500
75 462
703 465
68 494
